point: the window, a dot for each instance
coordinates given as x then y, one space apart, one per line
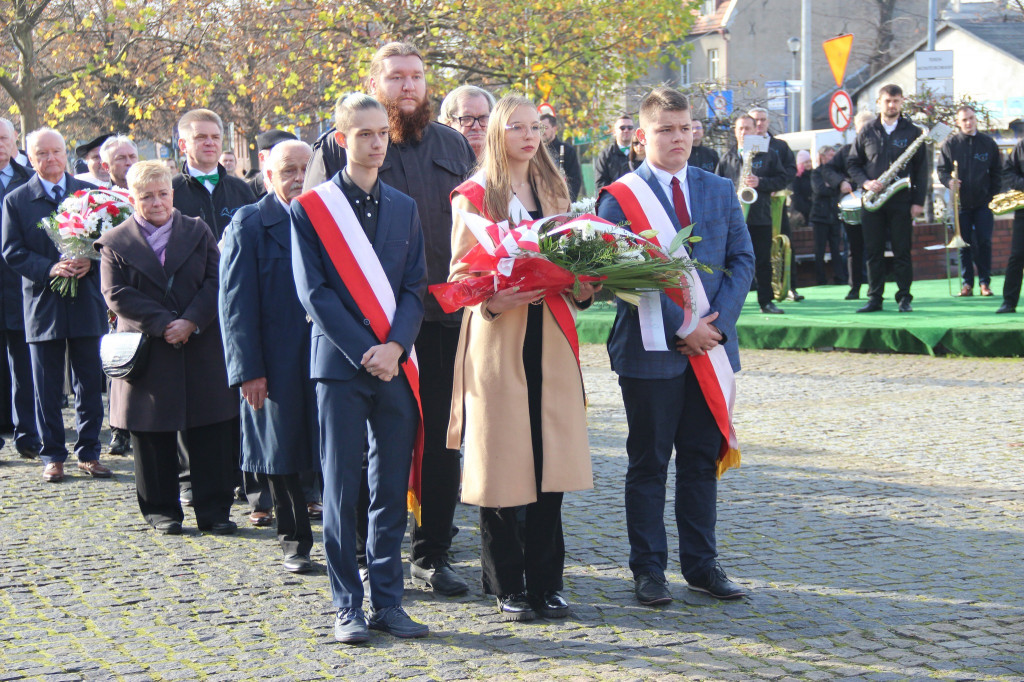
709 7
713 65
684 73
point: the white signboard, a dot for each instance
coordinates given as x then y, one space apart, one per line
936 86
936 64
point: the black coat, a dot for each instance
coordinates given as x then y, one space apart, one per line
29 251
1013 178
427 171
12 312
564 156
980 167
611 164
825 192
193 199
771 178
180 388
801 199
257 185
704 158
875 150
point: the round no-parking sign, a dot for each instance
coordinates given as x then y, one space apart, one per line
840 110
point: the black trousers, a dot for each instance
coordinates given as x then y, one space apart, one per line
436 346
832 237
208 449
855 255
526 541
293 529
892 222
761 239
1015 266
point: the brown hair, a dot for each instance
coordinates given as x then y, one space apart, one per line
891 89
389 50
347 106
545 178
662 99
195 116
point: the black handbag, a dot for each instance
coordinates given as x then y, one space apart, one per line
124 354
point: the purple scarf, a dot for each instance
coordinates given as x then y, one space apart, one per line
156 236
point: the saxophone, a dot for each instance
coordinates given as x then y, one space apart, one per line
873 201
746 195
1007 202
782 251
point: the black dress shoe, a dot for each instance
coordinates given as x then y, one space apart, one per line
770 308
119 443
27 451
550 604
652 590
872 306
240 494
1004 308
442 579
185 497
854 294
793 296
717 585
905 306
298 563
168 527
220 528
515 607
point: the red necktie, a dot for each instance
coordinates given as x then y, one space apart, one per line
680 203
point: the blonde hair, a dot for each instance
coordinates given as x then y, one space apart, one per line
146 172
543 173
389 50
347 106
195 116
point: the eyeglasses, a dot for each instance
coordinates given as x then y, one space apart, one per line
468 121
519 130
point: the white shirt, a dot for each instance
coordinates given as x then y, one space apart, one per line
665 179
206 183
889 128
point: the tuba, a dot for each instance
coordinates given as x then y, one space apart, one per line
1007 202
782 251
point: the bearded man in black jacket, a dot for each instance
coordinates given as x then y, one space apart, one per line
204 189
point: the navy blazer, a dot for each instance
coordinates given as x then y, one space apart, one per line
725 243
341 334
29 251
12 311
266 334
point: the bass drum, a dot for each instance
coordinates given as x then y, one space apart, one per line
850 207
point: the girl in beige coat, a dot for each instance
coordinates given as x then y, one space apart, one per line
518 392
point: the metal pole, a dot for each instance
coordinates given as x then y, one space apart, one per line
792 100
932 11
807 93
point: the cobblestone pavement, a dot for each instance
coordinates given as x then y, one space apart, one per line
878 519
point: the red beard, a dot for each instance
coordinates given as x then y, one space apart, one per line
405 127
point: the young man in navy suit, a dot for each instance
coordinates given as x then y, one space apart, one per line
56 324
676 354
360 272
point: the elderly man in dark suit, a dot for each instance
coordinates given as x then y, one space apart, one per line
266 346
12 313
55 325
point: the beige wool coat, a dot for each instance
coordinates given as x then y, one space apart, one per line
489 398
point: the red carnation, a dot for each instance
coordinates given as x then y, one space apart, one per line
607 237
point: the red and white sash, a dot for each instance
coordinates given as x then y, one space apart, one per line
645 211
359 268
564 314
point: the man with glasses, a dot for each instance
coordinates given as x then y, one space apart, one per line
564 155
613 161
467 109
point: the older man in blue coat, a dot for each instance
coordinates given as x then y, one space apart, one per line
56 324
266 346
12 312
667 405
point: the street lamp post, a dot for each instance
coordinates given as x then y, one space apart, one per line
794 49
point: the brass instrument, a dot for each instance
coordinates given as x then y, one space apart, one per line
1007 202
782 250
957 242
873 201
746 195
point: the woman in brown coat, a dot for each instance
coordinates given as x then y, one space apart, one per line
518 392
159 275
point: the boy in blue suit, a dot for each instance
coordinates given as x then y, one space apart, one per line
360 272
677 387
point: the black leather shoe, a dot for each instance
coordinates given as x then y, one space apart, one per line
652 590
240 494
770 308
168 527
516 607
872 306
119 443
793 296
905 306
550 604
442 579
298 563
220 528
854 294
185 497
26 451
717 585
1004 308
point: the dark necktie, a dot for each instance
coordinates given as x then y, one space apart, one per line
58 193
679 200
